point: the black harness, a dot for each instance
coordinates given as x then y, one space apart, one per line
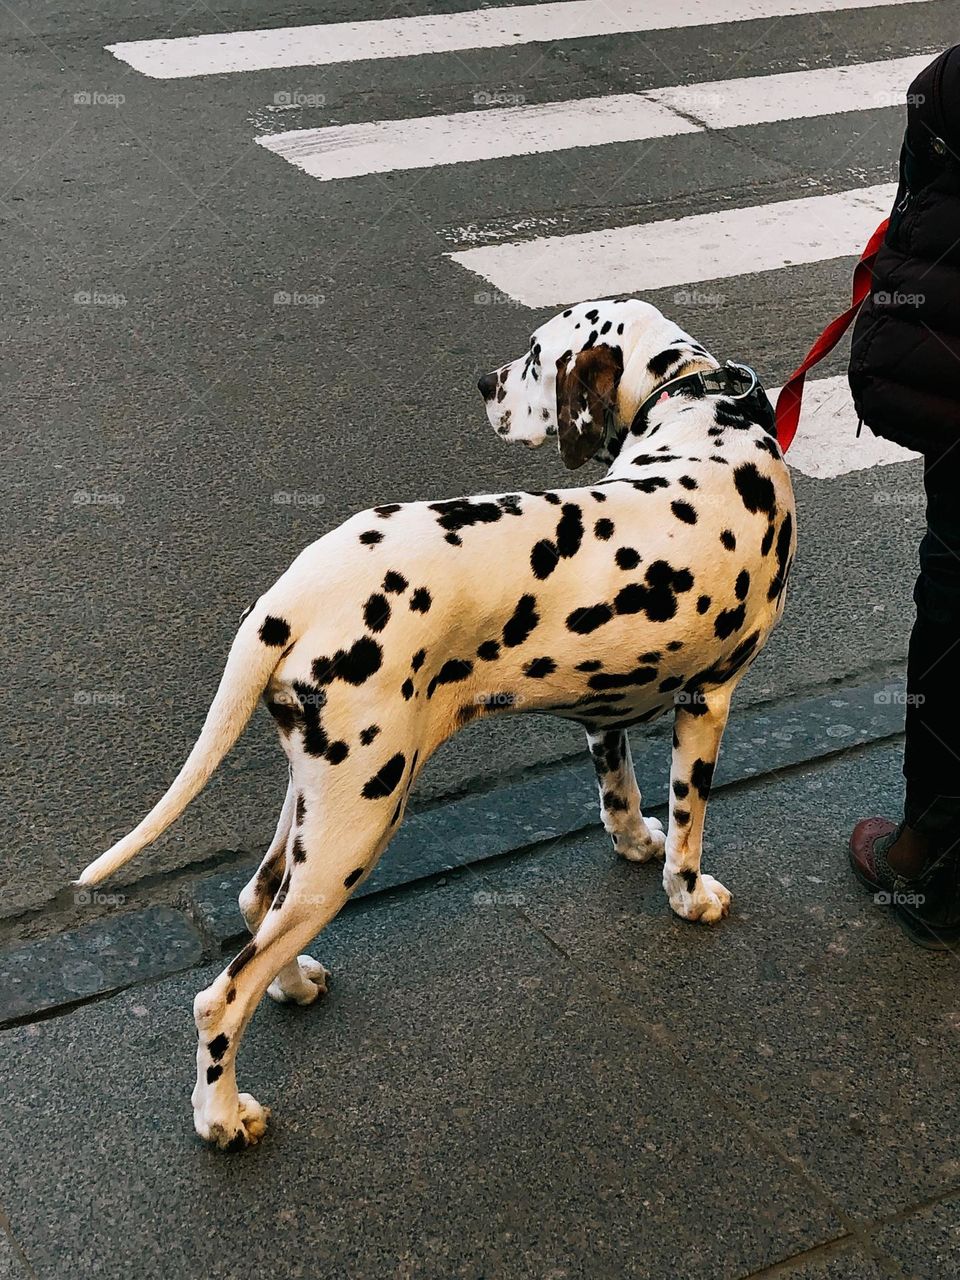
733 381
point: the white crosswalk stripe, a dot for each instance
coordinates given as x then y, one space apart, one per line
381 146
826 443
558 270
326 43
555 270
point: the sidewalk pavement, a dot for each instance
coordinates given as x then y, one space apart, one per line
532 1069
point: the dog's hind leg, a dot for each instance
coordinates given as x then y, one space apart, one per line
698 728
324 861
634 837
304 978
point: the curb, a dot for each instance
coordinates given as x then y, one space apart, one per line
110 954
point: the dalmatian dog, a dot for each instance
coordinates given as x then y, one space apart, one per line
650 589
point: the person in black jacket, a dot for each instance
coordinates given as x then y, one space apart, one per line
905 378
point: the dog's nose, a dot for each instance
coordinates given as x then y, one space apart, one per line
487 386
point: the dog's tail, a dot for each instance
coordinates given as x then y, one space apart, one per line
256 650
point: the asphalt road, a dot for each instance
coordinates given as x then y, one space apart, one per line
184 399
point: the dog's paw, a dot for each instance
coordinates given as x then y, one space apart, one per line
706 902
646 842
244 1128
302 986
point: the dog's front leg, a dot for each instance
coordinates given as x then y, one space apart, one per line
698 728
634 837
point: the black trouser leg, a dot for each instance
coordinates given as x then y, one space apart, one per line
932 753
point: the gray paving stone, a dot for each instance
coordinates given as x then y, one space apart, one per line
461 1105
564 800
927 1244
844 1262
115 952
11 1267
809 1006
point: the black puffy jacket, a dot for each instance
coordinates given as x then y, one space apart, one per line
905 356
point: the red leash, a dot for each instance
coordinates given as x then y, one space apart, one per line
791 394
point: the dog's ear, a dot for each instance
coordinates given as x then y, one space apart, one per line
585 395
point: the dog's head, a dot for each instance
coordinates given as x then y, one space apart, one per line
584 376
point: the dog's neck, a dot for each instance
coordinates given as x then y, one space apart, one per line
638 383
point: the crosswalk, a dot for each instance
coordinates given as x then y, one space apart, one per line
550 271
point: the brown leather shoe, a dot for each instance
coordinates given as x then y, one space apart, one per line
869 862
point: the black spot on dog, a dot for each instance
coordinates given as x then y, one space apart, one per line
683 511
604 529
674 645
354 665
729 621
301 809
703 604
489 651
701 775
592 664
337 752
510 502
371 537
681 817
238 962
742 585
657 596
756 491
461 513
248 610
612 680
690 880
219 1045
286 713
671 683
214 1074
768 445
407 690
231 994
627 558
454 539
282 892
385 780
583 621
727 416
615 803
767 542
452 672
353 877
783 557
681 789
297 851
537 668
553 498
395 583
274 632
367 735
688 482
387 509
522 622
729 539
663 361
418 659
544 559
421 600
376 612
569 533
650 484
